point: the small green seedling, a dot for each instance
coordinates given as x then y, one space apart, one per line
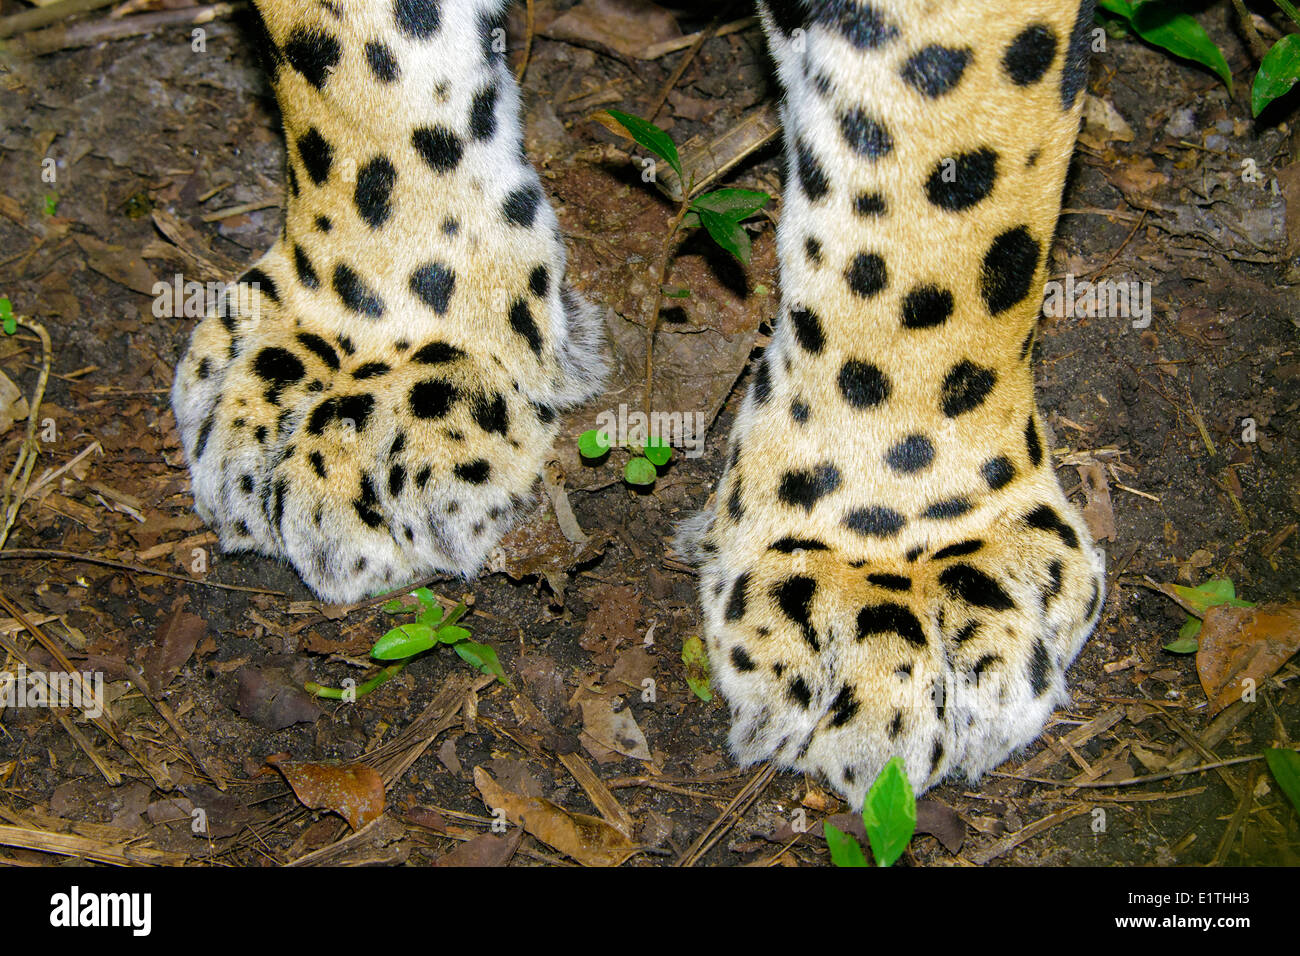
640 469
1161 24
889 817
1285 767
7 320
1198 600
430 629
695 660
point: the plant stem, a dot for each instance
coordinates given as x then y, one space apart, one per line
1289 9
1257 45
336 693
653 325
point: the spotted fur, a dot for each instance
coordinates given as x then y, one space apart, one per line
384 408
890 566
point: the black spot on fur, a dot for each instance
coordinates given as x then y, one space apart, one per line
844 707
890 618
371 370
475 472
862 384
306 272
926 306
876 521
865 135
869 204
763 381
432 398
799 692
794 596
436 353
1040 667
741 660
433 283
803 489
521 320
998 472
382 61
1045 518
947 509
418 19
959 182
375 181
799 412
1075 71
1033 446
739 598
965 387
891 582
1030 54
896 725
483 113
323 223
1055 578
320 348
935 69
539 281
356 295
958 550
355 409
812 248
860 23
1008 269
491 415
520 207
976 588
262 282
789 545
396 480
318 464
278 366
438 146
317 156
808 329
866 275
911 454
811 175
313 53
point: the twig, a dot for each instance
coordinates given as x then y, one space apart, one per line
701 38
662 272
40 554
727 819
15 486
529 24
99 30
44 16
1134 781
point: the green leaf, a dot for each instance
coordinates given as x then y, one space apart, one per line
652 138
1278 72
1210 594
51 203
405 640
482 657
1121 8
395 606
1187 642
7 316
1157 22
658 451
845 850
735 204
690 220
696 661
593 443
1285 766
890 813
451 633
727 233
639 471
678 294
425 597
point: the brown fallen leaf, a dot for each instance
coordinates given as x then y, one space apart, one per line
588 840
353 791
484 850
173 643
1240 643
611 731
1097 513
627 26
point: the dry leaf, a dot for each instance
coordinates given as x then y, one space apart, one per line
1098 514
627 26
353 791
13 407
612 731
589 840
174 642
1240 643
485 849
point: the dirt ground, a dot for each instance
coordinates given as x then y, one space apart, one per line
1181 436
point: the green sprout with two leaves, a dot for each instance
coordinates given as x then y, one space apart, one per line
1161 24
642 468
1197 601
431 628
888 816
720 212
